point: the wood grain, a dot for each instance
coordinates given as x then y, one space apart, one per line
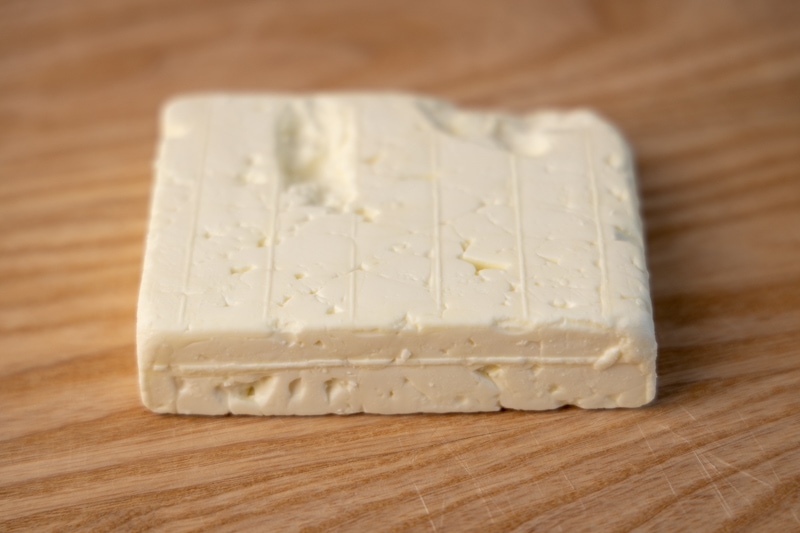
709 94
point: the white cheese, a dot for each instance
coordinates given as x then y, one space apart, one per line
390 254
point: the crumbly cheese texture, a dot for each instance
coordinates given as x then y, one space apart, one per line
389 253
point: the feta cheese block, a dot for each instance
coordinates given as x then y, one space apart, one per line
389 253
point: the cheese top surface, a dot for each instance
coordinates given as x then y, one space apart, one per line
312 229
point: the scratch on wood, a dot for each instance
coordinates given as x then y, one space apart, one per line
580 498
725 478
425 506
660 466
474 482
739 470
760 447
688 413
714 484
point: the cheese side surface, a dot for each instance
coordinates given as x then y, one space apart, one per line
388 253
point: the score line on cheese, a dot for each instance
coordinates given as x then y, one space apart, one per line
388 253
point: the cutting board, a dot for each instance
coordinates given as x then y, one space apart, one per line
707 92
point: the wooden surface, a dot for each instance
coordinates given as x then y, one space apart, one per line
709 94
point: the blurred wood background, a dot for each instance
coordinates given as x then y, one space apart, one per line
709 94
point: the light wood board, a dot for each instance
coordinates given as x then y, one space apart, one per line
707 92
